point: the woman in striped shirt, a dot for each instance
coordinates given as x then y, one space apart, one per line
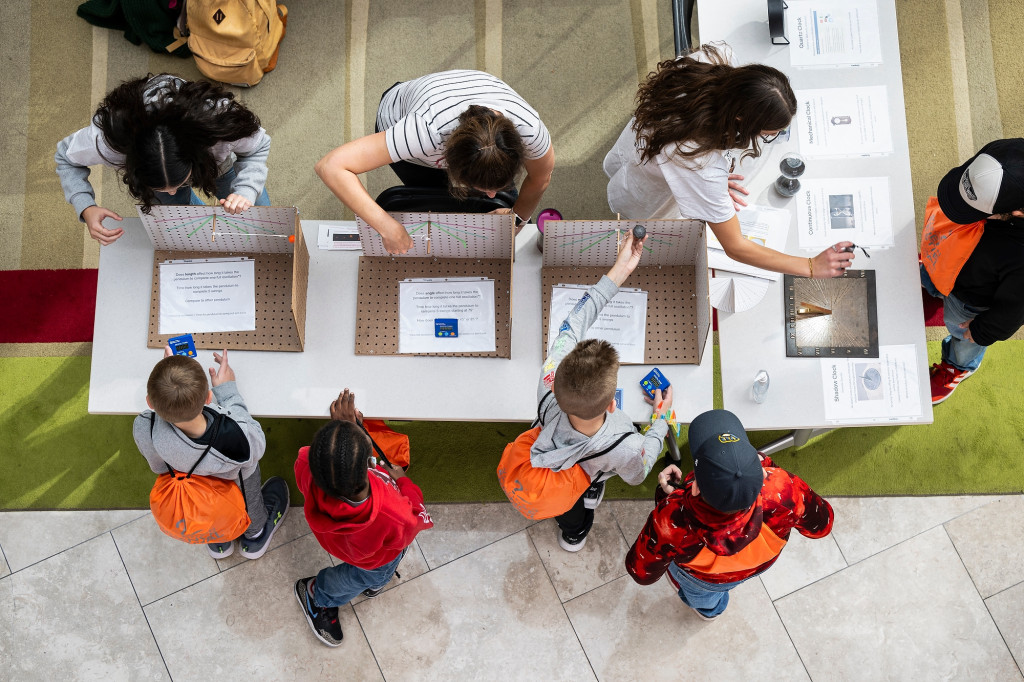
465 130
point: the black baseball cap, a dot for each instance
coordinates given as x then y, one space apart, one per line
725 464
990 183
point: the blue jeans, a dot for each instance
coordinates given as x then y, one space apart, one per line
186 197
956 350
338 585
708 598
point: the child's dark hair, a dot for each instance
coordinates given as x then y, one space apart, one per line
484 152
339 457
710 105
170 137
586 378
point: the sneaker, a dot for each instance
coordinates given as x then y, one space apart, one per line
944 379
593 495
275 496
322 621
571 544
370 594
703 616
221 550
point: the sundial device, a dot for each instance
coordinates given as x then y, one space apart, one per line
835 317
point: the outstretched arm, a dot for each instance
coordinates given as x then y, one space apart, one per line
339 171
832 262
538 177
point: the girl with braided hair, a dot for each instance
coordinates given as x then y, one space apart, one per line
166 136
363 512
696 117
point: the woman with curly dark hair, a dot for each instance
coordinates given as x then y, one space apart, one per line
695 117
464 130
166 136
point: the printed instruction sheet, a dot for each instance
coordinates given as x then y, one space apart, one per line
833 33
207 295
882 389
622 323
760 224
838 122
844 209
446 315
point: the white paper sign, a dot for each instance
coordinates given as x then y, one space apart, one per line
207 296
833 33
843 122
622 323
883 389
844 209
760 224
422 302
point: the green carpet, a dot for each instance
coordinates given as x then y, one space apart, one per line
56 456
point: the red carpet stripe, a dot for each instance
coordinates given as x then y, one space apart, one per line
47 306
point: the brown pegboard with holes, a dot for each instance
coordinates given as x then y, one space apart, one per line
276 327
674 332
378 299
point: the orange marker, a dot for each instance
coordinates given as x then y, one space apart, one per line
291 238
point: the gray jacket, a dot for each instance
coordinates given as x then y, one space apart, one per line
163 443
78 151
560 446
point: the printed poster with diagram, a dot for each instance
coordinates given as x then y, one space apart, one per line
207 295
882 389
446 315
622 322
840 122
845 209
832 33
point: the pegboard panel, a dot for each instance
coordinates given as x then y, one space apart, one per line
260 229
300 282
416 224
675 335
275 323
447 235
594 243
378 299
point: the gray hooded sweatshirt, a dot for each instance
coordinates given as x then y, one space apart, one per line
163 443
87 147
560 446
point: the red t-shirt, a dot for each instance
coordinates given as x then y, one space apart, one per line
367 535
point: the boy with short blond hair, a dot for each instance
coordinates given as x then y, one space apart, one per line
577 414
184 421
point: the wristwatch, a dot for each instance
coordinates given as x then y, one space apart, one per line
521 221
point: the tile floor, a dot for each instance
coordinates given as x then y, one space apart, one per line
904 589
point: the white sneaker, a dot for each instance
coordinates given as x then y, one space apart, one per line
568 545
593 495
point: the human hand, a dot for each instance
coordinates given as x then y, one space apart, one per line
93 217
737 191
628 258
223 373
833 261
397 244
966 326
344 408
662 402
168 352
668 475
235 203
501 211
395 472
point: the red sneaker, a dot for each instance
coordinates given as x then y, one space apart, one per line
944 379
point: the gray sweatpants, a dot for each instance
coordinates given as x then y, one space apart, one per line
254 504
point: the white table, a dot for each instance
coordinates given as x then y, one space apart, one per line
277 384
754 339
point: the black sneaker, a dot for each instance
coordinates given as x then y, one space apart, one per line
275 496
322 621
370 594
593 495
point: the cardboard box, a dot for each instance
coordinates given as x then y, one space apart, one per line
261 233
673 271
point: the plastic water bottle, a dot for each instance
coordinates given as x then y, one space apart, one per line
760 387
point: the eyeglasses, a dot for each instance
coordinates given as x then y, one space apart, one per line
770 138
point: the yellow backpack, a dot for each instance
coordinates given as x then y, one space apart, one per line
234 41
